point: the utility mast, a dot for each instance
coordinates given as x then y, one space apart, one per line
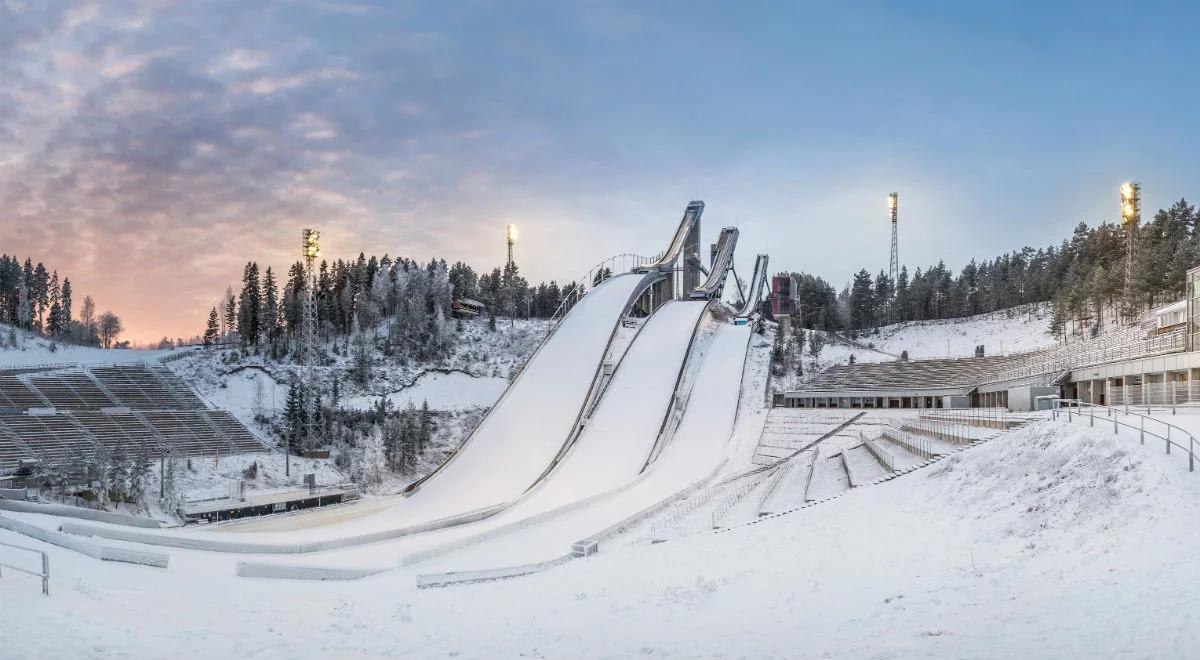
894 265
510 237
1131 218
311 246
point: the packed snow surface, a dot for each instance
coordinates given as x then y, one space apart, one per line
1054 541
609 464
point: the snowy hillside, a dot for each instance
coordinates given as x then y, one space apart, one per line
474 374
23 348
1000 333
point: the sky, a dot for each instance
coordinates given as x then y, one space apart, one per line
149 149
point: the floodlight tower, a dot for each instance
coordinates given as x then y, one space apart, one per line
510 238
311 246
1131 218
894 266
308 315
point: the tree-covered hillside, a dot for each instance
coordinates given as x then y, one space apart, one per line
1082 276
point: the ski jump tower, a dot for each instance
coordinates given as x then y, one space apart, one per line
681 261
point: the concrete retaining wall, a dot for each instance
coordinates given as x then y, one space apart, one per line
81 546
285 572
462 577
77 512
214 545
12 494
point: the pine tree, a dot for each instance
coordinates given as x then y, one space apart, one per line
249 306
66 304
212 331
269 308
231 315
815 344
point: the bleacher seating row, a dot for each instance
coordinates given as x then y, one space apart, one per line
129 406
15 394
146 388
71 391
68 435
944 373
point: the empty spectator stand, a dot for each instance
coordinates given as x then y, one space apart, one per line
895 384
146 388
50 438
65 416
16 395
70 391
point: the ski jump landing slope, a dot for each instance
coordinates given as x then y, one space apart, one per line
528 426
696 451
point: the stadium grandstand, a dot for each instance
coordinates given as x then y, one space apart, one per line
64 415
1154 361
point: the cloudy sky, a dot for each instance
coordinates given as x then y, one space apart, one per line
148 149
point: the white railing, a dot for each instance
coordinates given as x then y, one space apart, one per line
919 446
44 574
1162 394
882 455
1170 434
729 501
990 418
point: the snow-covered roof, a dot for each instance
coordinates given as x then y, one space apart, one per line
1173 307
469 303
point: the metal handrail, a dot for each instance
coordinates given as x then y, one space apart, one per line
44 575
1073 408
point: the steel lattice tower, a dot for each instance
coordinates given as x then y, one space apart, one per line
308 309
894 265
308 327
1131 218
510 238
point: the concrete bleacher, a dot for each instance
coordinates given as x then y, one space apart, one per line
197 433
52 438
905 374
146 388
136 406
70 391
17 395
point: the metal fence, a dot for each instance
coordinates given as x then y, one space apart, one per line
1161 394
44 574
1171 435
988 418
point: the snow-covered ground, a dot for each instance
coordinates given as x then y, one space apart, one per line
1054 541
20 348
442 391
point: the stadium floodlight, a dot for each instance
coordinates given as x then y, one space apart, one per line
510 237
1131 203
312 243
892 202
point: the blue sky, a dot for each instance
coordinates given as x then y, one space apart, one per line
151 148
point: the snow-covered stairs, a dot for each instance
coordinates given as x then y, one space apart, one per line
850 458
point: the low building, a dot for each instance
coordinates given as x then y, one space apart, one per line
465 308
